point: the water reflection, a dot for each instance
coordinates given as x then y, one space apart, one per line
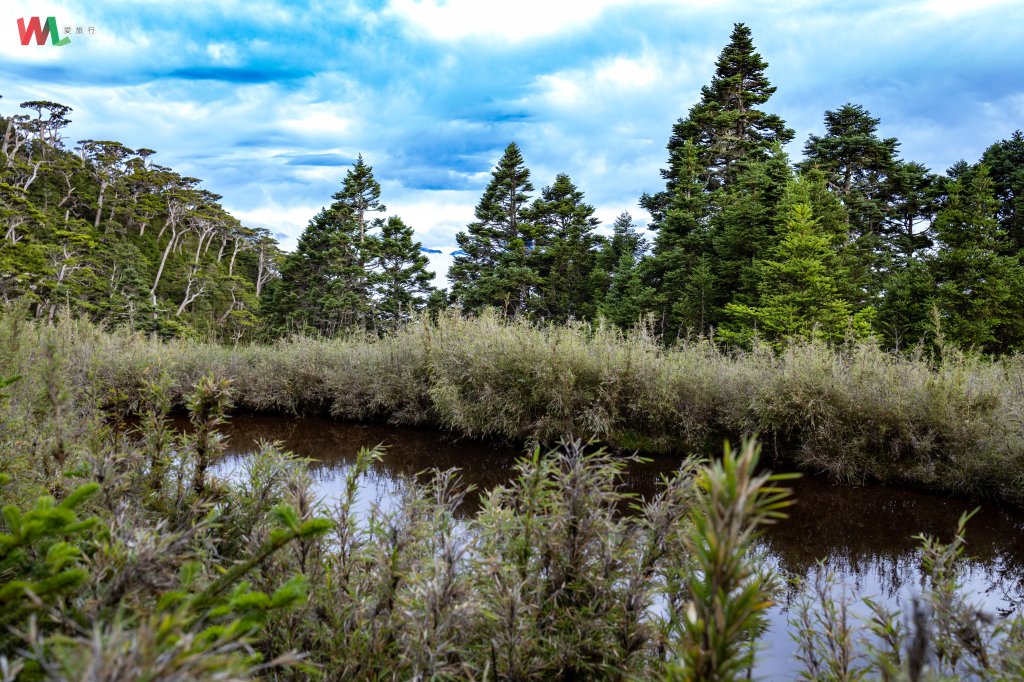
864 535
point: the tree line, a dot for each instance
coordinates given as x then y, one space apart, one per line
852 241
109 233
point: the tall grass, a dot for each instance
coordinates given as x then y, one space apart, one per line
953 423
128 558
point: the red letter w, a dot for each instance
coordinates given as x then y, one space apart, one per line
35 28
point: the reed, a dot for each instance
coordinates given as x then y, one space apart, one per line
130 558
951 422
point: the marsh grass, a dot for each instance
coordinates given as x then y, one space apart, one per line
128 558
943 635
954 422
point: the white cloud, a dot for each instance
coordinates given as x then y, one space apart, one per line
435 215
618 76
951 9
508 21
440 263
318 119
223 54
289 220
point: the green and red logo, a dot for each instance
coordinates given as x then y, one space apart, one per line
40 30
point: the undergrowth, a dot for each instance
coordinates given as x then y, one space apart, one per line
951 422
130 558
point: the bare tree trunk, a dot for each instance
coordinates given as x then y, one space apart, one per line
163 262
262 271
189 295
99 209
207 233
35 174
234 253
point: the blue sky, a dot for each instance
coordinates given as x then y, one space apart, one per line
269 101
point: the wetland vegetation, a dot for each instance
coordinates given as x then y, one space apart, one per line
856 314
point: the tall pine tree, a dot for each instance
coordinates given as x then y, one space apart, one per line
400 279
979 289
495 267
699 259
856 161
324 284
726 125
565 252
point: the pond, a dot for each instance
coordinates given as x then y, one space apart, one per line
862 535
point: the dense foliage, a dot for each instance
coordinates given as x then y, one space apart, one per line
127 553
850 241
106 232
854 412
109 233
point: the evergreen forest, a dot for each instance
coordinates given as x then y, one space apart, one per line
744 244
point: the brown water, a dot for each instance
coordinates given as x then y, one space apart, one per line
863 535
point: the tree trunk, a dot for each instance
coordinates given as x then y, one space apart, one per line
163 261
99 210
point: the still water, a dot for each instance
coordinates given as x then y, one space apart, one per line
864 536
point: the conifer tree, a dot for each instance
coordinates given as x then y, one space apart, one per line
979 291
495 267
798 296
318 288
864 172
565 252
726 125
1005 162
324 284
855 160
401 281
699 260
359 196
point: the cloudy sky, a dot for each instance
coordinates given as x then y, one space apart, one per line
268 101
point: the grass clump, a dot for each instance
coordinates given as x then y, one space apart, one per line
131 558
950 422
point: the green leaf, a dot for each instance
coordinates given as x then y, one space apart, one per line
287 516
314 527
80 495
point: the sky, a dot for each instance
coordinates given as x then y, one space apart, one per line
270 101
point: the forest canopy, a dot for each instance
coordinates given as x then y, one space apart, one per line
851 241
